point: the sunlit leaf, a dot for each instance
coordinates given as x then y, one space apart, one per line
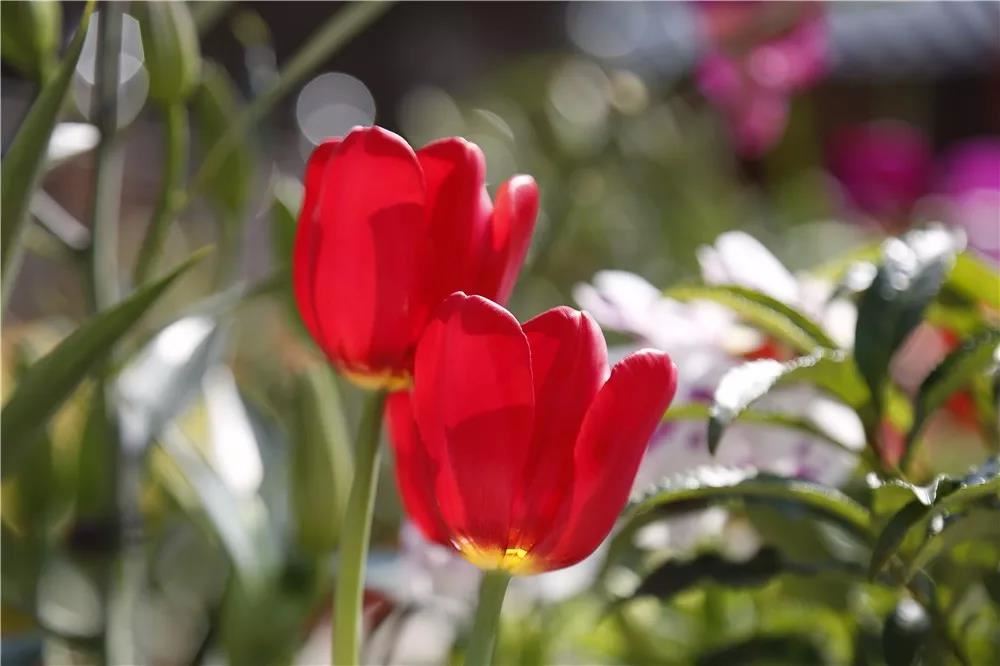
912 271
945 494
702 412
975 279
52 379
723 484
770 315
739 388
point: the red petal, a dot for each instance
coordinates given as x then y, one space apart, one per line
458 211
415 472
611 443
308 238
569 363
371 212
509 236
474 407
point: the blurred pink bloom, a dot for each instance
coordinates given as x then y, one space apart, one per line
969 181
883 167
757 55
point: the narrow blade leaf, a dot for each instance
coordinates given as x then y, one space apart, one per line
52 379
23 163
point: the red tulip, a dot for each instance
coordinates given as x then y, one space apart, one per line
386 233
515 445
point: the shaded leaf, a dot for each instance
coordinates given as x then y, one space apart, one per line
957 370
912 271
23 163
52 379
788 650
905 634
762 311
216 103
30 36
675 576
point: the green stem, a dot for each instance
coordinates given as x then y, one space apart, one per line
354 538
327 40
175 130
484 627
109 161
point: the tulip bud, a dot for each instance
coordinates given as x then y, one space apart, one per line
170 47
30 36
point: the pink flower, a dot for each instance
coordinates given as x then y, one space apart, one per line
969 181
758 55
883 167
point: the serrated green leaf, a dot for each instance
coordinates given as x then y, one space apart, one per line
975 279
322 461
22 165
770 315
723 484
30 36
958 369
54 377
975 524
216 103
699 412
893 535
739 388
945 494
171 49
912 271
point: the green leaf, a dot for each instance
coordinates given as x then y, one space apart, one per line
675 576
957 370
29 36
322 461
288 194
52 379
945 494
739 388
171 50
723 484
762 311
216 103
699 412
973 525
905 634
240 523
783 650
975 279
912 271
23 163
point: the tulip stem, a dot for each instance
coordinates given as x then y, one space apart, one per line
354 538
484 627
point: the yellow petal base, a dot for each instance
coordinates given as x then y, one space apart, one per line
378 381
512 560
